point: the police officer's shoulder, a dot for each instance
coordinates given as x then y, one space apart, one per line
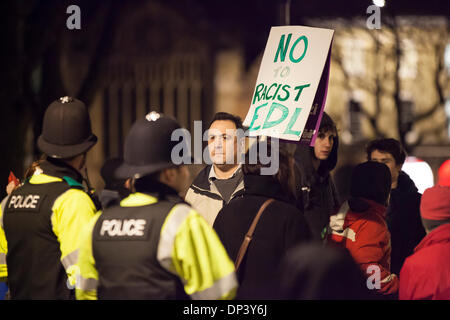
91 193
42 178
76 197
137 199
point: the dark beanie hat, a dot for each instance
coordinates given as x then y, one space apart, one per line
371 180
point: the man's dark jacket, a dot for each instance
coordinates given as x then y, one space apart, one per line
404 222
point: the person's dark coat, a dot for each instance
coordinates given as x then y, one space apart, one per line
318 197
280 227
315 272
404 222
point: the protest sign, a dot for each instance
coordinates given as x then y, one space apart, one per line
292 84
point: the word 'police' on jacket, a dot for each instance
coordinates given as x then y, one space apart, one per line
124 227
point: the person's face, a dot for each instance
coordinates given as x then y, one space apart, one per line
222 142
324 144
387 159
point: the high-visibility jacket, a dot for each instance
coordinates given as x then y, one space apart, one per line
153 247
3 245
40 226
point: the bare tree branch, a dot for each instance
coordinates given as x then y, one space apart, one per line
440 68
363 85
429 131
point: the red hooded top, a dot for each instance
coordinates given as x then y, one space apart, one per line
426 273
366 236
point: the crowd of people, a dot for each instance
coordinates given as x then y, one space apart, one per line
237 233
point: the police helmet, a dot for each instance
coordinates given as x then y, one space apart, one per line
148 146
66 130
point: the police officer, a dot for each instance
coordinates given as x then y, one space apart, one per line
153 245
42 219
114 189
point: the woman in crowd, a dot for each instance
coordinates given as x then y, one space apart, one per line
280 227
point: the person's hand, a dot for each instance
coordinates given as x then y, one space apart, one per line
13 183
10 187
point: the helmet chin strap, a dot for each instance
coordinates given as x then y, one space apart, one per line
86 178
84 170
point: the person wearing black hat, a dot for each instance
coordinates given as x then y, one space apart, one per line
153 245
42 219
360 227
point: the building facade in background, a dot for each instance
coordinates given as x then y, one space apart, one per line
392 81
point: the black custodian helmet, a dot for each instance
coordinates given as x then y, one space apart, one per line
66 130
148 146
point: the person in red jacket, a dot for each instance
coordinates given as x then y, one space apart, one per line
360 227
426 273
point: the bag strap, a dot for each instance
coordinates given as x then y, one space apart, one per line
249 235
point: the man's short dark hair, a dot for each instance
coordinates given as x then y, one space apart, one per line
392 146
228 116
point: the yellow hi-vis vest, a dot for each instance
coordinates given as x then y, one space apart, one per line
150 248
40 223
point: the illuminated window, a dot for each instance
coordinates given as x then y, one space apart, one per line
447 57
409 59
354 57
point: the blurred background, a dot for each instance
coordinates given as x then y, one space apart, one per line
192 58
